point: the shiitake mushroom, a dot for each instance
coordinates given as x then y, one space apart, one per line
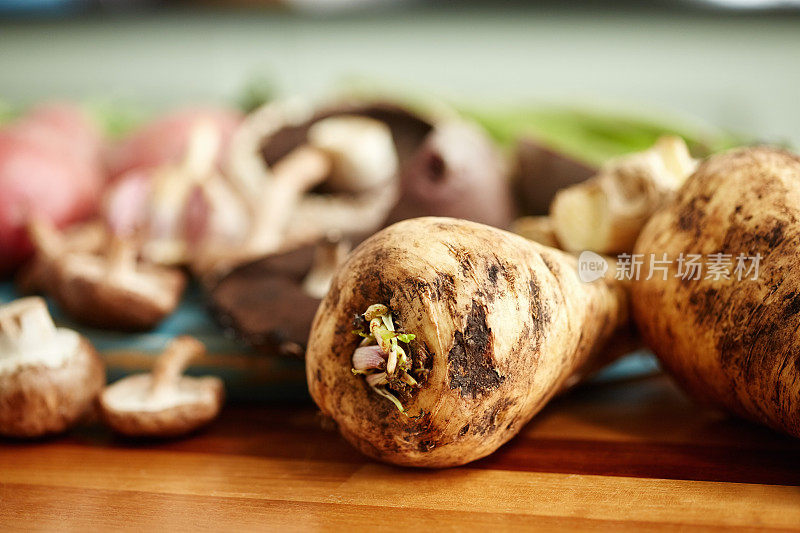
270 303
447 166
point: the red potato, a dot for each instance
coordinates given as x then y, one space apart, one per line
68 125
166 139
49 168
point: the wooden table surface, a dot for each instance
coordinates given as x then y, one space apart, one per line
635 455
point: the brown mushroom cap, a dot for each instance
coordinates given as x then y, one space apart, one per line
164 403
99 281
263 303
135 300
37 275
270 303
47 391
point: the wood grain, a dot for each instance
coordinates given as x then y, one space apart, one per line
632 456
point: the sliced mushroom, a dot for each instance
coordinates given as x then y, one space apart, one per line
270 303
365 144
293 175
49 377
111 289
165 403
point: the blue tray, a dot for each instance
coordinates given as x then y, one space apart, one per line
248 376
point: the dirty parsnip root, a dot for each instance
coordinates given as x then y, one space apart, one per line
441 338
606 213
731 339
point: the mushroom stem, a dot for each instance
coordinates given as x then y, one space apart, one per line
173 361
201 153
328 255
295 173
48 240
121 258
25 323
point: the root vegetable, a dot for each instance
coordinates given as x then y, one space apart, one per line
730 342
49 377
606 213
456 172
164 403
477 329
538 229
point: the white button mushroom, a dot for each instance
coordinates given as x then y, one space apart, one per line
164 403
297 172
328 256
361 150
49 377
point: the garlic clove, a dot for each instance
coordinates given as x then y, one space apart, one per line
368 358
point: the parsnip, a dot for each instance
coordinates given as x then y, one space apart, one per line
476 329
605 213
538 229
731 342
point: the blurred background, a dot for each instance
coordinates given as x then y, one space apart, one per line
728 63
